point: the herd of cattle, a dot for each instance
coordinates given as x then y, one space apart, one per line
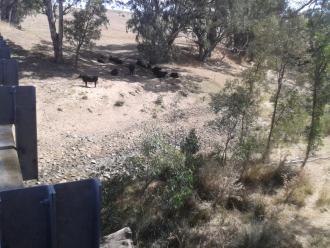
156 71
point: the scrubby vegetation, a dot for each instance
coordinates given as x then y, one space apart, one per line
324 197
180 194
277 102
177 194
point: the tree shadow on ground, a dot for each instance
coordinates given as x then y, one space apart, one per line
188 56
302 227
38 63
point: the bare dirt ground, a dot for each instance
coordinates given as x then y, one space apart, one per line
80 130
79 127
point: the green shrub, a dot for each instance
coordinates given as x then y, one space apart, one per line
113 213
157 197
190 144
166 163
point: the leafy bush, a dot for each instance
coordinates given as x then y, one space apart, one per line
190 144
167 163
154 200
113 214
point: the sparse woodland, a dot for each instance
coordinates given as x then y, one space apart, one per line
241 192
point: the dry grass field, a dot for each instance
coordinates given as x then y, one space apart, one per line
81 130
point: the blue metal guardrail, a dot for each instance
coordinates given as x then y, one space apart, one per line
18 107
50 216
60 216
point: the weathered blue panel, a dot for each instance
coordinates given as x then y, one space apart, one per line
61 216
9 72
5 52
26 218
3 43
78 214
18 107
7 111
26 131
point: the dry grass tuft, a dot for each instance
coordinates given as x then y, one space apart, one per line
264 235
297 190
221 184
319 241
268 175
219 232
324 197
259 174
119 103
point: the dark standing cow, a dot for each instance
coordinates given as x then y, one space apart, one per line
89 79
131 68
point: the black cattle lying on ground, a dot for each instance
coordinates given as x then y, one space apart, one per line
174 75
89 79
157 71
102 60
116 60
131 68
160 74
114 72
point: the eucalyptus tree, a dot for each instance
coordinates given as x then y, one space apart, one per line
85 27
319 72
14 11
279 43
237 109
157 24
56 10
209 25
245 14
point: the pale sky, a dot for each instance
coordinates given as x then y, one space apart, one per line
293 3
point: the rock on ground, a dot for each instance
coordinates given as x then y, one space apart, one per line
119 239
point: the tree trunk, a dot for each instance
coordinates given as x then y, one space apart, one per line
57 38
315 122
60 29
204 53
265 156
76 58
